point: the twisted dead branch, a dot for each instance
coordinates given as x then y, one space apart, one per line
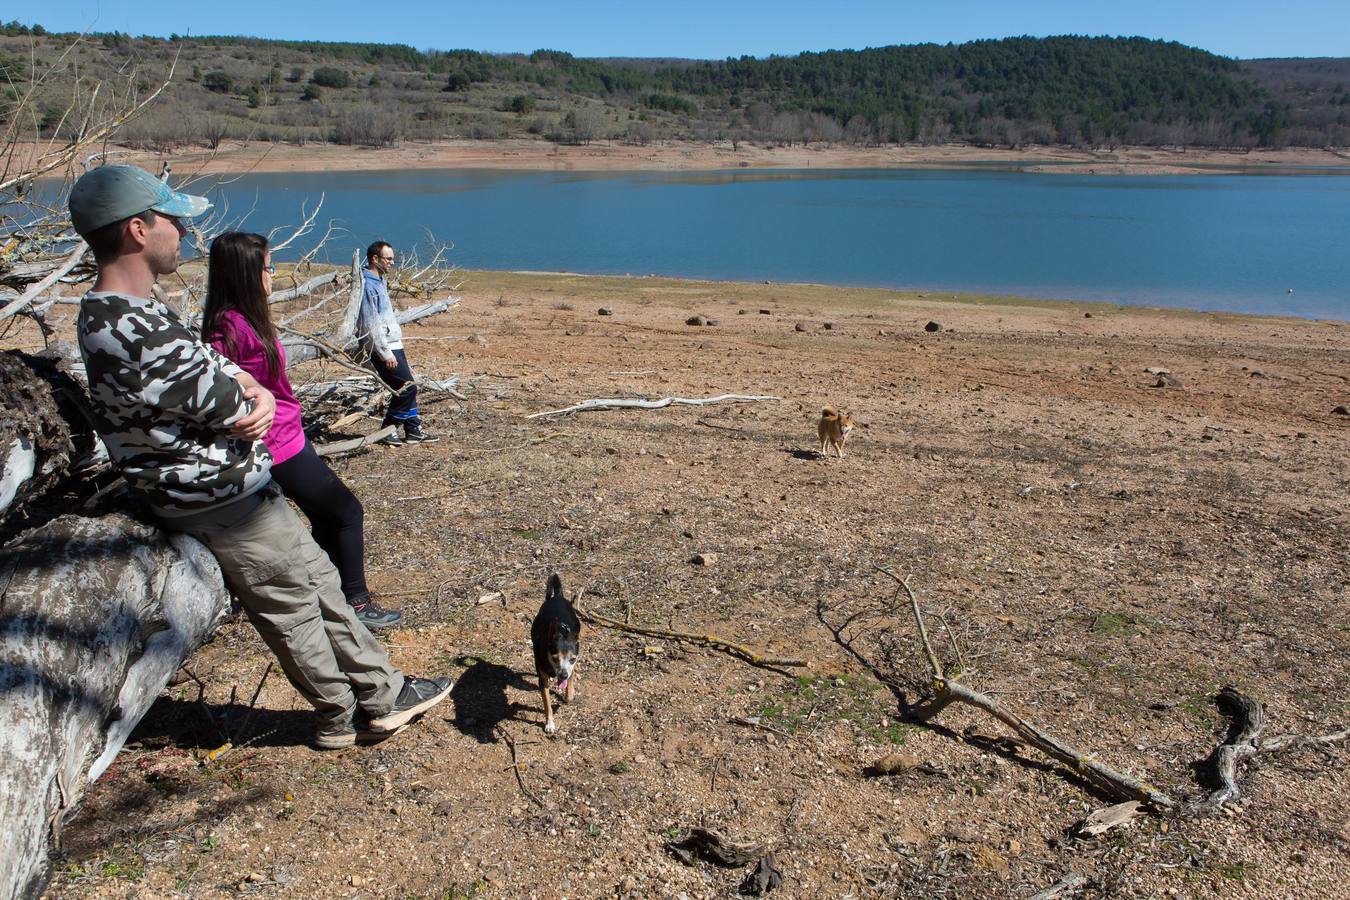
1247 720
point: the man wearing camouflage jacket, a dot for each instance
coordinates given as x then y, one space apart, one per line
183 423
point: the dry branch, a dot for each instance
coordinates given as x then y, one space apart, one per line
617 403
949 690
337 447
56 274
705 640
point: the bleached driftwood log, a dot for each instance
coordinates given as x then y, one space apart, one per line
301 349
95 616
588 405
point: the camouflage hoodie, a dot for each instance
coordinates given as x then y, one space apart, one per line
164 403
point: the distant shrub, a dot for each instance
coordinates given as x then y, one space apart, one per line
297 73
311 92
670 103
330 77
218 82
457 81
520 104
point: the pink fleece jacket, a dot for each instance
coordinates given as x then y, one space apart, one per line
242 345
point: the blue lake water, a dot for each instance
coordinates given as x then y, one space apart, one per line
1210 242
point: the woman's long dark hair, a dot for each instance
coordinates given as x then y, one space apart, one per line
234 282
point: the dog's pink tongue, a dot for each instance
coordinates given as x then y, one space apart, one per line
562 685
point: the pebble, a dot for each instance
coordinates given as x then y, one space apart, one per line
932 327
800 326
703 559
604 311
696 320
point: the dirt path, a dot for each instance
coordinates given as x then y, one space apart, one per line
1108 552
259 156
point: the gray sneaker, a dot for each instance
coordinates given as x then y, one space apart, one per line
345 734
373 615
418 696
414 433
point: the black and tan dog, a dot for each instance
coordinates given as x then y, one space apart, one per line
555 635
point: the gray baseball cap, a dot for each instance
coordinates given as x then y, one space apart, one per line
111 193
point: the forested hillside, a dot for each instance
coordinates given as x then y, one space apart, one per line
1078 91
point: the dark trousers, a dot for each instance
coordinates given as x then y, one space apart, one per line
403 406
336 518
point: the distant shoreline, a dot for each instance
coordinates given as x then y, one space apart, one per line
522 155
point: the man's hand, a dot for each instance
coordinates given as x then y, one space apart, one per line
258 422
391 363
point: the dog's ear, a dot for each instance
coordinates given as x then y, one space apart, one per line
555 587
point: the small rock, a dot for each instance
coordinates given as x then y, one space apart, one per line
1087 315
703 559
1156 370
828 326
766 312
1257 373
742 312
711 322
1340 411
604 311
932 327
612 451
800 326
254 877
356 881
894 764
477 339
696 320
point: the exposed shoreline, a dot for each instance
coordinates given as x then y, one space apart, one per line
257 156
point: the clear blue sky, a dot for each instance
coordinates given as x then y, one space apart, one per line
715 30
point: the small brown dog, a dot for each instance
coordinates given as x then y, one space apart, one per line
834 428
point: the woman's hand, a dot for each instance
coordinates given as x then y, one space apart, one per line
259 421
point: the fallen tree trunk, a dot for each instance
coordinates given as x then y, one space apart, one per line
95 616
42 432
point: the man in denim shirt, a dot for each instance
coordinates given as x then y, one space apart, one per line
382 337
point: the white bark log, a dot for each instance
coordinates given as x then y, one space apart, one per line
95 615
18 466
587 405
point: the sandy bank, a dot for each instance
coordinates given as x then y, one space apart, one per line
542 156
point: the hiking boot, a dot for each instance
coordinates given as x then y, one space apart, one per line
414 433
373 615
418 696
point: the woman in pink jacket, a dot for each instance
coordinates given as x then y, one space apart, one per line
237 322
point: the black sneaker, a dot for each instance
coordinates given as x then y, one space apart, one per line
393 440
373 615
414 433
418 696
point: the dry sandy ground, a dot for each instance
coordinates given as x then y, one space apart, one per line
1108 553
541 155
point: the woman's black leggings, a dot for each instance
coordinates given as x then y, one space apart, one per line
336 518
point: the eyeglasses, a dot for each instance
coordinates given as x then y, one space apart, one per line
270 270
